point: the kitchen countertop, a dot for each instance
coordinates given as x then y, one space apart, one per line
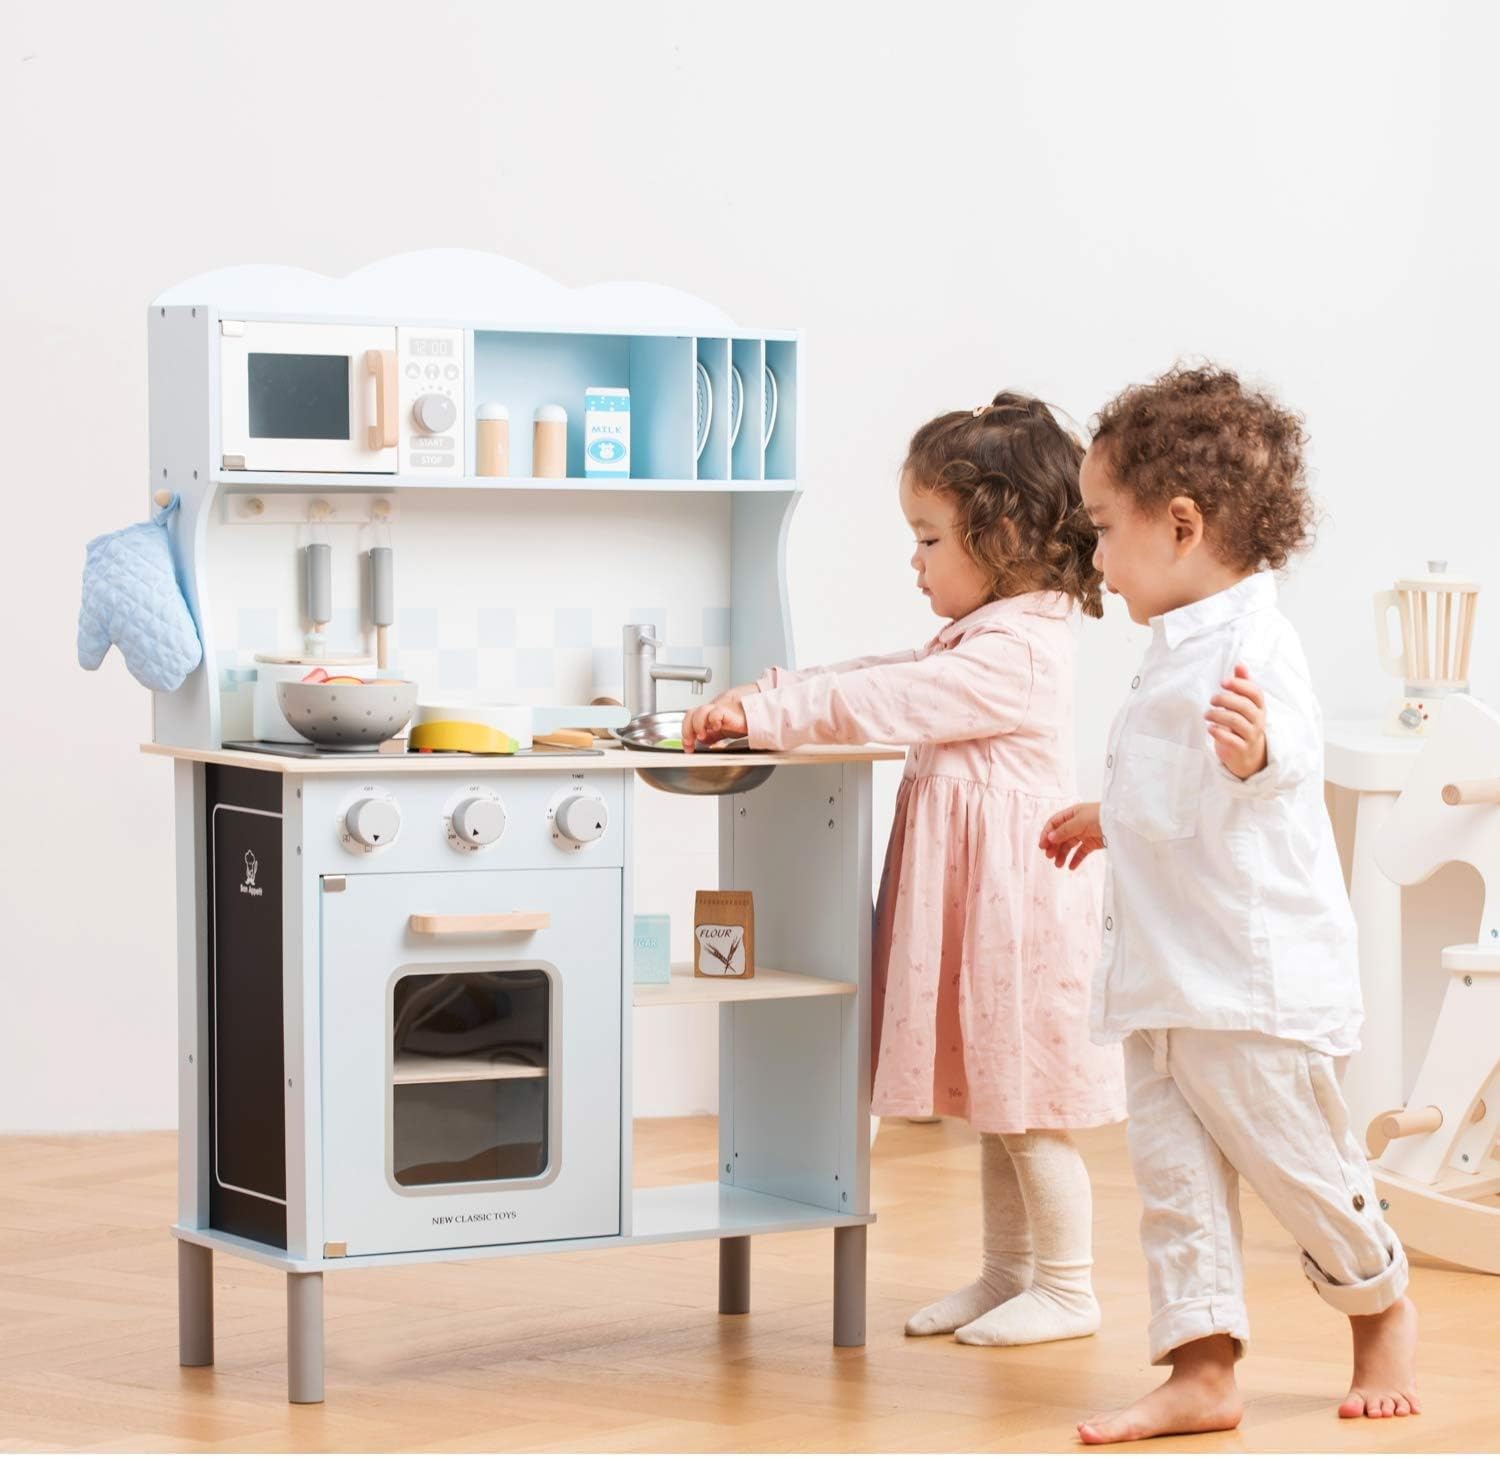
612 760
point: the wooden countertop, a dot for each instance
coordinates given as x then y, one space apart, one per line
612 760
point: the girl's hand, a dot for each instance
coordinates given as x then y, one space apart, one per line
724 718
1072 832
1237 725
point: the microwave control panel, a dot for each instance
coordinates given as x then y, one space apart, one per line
430 366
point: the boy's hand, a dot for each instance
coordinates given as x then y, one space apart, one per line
1074 832
724 718
1237 725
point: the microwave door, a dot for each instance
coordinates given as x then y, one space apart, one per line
308 397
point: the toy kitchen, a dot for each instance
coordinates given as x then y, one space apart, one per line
449 498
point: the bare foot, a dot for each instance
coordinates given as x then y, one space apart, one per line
1385 1364
1199 1396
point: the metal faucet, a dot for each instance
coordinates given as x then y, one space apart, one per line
643 672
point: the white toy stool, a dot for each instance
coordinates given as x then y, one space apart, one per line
1434 1160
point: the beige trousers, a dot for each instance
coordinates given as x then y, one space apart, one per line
1210 1108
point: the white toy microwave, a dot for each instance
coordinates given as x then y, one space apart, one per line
352 398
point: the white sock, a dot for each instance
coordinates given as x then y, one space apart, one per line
1059 1303
1005 1267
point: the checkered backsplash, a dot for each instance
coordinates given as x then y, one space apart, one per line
516 655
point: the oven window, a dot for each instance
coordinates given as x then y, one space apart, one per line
299 396
470 1066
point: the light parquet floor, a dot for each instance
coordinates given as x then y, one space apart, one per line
622 1350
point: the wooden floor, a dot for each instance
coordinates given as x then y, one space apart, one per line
622 1350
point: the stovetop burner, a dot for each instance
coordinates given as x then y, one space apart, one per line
375 751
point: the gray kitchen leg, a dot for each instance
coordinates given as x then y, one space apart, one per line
195 1304
304 1338
849 1285
734 1275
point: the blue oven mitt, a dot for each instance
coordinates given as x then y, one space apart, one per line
132 598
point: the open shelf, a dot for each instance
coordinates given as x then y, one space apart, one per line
373 483
414 1069
766 985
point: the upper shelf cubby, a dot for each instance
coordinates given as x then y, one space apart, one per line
705 412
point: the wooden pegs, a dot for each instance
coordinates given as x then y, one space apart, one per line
1472 791
1400 1123
163 499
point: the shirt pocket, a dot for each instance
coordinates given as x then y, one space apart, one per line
1159 788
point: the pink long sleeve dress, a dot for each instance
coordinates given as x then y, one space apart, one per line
984 952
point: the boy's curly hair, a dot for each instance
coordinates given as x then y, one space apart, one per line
1012 472
1198 432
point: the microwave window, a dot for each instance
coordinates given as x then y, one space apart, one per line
299 396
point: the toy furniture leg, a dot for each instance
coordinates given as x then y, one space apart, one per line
1374 1079
849 1285
195 1304
304 1338
734 1275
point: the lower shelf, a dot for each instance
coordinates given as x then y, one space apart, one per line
766 985
674 1212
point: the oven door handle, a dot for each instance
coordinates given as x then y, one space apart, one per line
382 364
483 925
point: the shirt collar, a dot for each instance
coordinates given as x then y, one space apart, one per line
1253 593
1036 604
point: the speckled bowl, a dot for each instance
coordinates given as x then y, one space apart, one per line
343 715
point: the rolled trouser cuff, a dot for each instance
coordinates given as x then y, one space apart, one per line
1362 1297
1192 1320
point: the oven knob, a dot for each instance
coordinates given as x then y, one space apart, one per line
581 819
434 413
479 821
373 822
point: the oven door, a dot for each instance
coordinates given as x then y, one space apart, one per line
308 397
471 1059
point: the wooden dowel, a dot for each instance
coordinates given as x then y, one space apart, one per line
1466 637
1409 635
1422 665
1472 791
1410 1121
1445 607
163 499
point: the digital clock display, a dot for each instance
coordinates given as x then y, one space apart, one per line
431 348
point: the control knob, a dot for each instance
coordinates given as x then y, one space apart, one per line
479 820
580 820
373 822
434 414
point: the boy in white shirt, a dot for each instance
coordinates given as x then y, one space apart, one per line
1229 967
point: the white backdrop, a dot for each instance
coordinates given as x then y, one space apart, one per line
1060 197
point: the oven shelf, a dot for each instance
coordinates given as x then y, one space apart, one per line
412 1069
766 985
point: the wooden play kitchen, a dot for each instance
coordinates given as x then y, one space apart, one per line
405 979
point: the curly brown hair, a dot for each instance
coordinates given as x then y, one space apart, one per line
1236 452
1012 472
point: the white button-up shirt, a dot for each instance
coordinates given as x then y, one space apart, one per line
1225 905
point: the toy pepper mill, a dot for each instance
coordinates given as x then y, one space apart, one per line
1437 629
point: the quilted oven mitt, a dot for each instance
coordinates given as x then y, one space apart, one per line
131 598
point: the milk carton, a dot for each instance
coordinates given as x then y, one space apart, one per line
606 432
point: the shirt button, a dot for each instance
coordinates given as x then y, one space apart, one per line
1109 925
1109 761
1359 1201
1104 842
1136 681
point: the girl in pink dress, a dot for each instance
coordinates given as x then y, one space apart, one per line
983 961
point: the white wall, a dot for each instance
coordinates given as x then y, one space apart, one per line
1060 197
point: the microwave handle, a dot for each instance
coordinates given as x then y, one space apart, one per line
382 364
480 925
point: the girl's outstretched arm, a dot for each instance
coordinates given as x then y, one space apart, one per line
974 690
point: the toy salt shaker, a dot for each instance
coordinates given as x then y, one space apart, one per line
492 440
549 442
